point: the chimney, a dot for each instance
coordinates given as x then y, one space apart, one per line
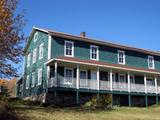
83 34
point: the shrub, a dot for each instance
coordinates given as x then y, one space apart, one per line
104 102
6 111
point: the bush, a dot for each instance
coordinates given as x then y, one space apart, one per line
104 102
6 111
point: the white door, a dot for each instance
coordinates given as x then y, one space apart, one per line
83 78
68 76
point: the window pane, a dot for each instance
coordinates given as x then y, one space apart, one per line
122 78
83 75
69 47
94 51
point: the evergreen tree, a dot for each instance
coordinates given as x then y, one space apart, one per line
4 92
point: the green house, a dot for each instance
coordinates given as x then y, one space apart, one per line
74 68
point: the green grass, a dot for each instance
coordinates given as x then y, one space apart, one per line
73 113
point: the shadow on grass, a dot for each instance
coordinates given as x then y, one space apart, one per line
62 109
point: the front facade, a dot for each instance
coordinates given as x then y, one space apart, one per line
59 64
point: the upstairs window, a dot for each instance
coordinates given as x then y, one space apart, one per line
69 48
94 53
34 55
150 62
41 51
27 82
33 79
35 36
121 57
40 76
28 59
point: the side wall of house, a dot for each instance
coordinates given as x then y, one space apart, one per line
34 67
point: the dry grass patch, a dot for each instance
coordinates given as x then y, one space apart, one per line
40 113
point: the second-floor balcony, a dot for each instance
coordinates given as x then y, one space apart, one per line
102 85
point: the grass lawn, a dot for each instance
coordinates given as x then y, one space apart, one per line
124 113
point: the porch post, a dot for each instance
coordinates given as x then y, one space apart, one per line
129 100
49 78
146 100
157 100
129 82
97 78
77 80
56 80
111 80
55 72
155 80
145 83
77 97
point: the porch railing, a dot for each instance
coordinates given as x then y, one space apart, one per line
137 88
103 85
120 86
151 89
158 89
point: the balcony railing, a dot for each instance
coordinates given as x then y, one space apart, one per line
103 85
120 86
137 87
151 89
158 89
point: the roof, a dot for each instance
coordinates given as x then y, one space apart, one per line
105 64
90 40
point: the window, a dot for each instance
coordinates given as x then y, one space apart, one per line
132 79
150 81
35 36
41 51
28 59
68 73
121 57
113 77
34 55
150 62
69 48
40 76
33 79
93 75
94 53
122 78
27 82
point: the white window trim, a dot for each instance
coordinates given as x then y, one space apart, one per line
65 73
40 79
27 82
122 75
28 59
91 52
41 47
72 48
33 83
153 62
34 57
35 36
124 61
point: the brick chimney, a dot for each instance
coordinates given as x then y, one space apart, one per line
83 34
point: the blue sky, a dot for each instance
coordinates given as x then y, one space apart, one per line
131 22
